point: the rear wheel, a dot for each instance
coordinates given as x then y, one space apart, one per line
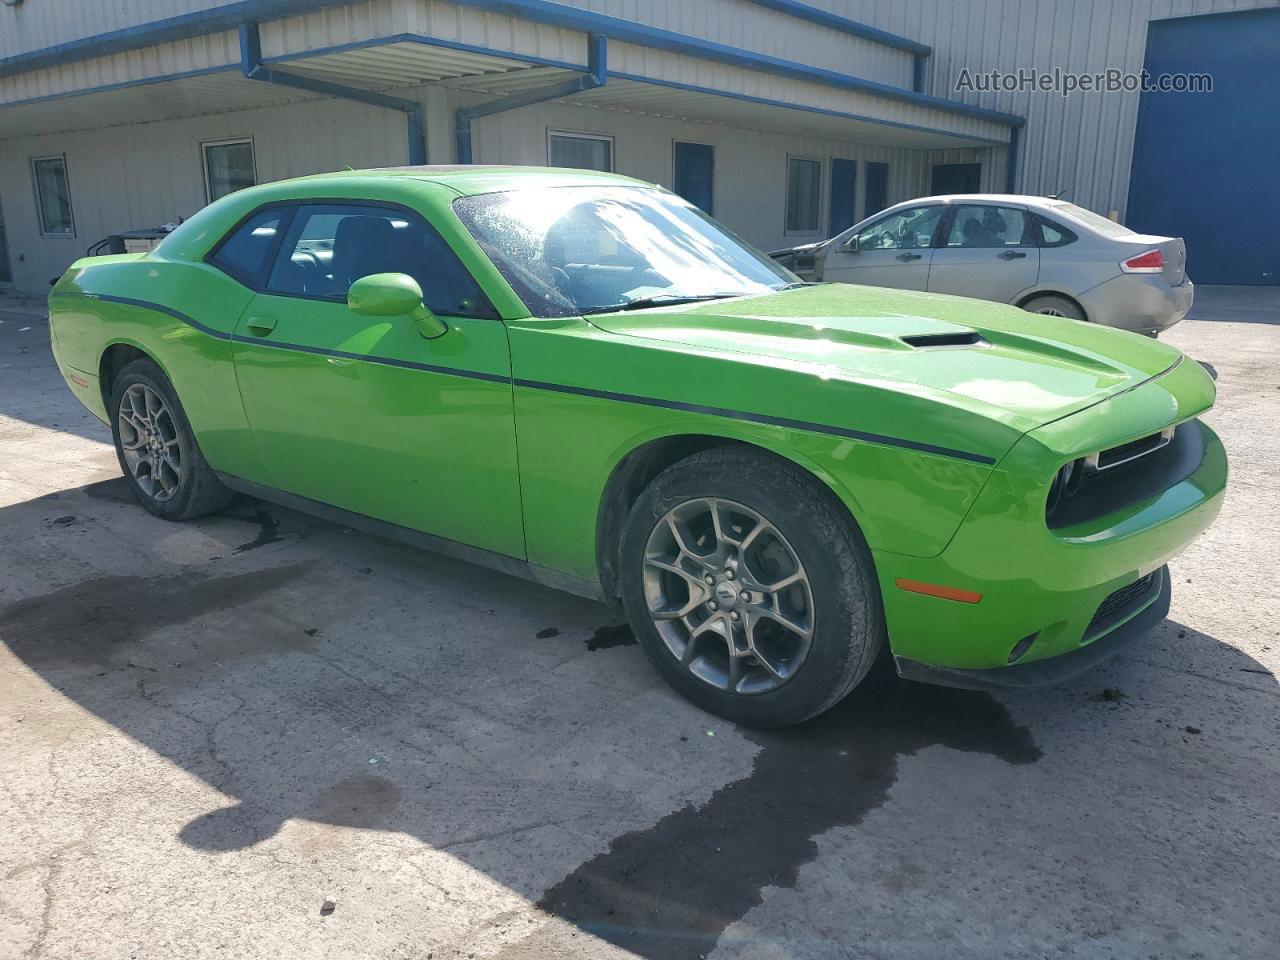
1052 306
749 588
156 448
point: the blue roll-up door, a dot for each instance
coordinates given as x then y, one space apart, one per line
695 167
1205 164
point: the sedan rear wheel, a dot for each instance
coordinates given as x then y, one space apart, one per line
749 587
1054 307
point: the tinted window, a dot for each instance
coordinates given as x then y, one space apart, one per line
1054 234
804 187
908 229
244 253
1104 226
580 153
228 167
53 196
330 246
987 226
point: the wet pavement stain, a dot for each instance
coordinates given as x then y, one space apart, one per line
669 891
268 528
611 635
106 619
547 632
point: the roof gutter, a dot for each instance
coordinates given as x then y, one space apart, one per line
252 67
596 76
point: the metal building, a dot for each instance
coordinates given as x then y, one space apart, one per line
786 120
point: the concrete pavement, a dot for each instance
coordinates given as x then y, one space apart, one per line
208 730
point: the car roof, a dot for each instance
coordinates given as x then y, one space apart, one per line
1026 200
484 178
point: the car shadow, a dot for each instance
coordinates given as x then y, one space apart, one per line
311 673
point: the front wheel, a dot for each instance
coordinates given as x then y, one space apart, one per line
749 587
156 448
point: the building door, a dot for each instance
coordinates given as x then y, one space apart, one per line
694 167
6 273
1204 164
955 178
844 188
876 197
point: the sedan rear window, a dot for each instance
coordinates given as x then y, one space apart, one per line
1094 221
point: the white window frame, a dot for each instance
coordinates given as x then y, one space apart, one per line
224 142
786 195
35 186
580 135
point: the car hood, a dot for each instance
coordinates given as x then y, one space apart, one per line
1022 369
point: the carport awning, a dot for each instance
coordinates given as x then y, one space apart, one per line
724 94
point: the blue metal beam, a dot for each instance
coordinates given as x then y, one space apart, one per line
233 15
1011 161
803 11
251 66
628 31
596 76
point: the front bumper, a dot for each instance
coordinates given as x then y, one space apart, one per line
1040 673
1043 582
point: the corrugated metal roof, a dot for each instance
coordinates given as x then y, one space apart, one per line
401 65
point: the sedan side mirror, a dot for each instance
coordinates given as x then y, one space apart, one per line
851 245
394 295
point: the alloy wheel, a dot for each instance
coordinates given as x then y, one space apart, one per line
149 440
728 595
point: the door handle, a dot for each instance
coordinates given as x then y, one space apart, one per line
905 257
1012 255
261 324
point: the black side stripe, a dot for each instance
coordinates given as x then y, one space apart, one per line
760 418
559 387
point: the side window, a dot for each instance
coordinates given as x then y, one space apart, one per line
243 253
330 246
909 229
1053 234
986 226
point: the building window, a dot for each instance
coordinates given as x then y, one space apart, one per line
804 193
228 167
53 196
582 151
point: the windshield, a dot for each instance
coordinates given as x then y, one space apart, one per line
1108 228
578 250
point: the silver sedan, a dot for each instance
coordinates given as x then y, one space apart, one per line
1044 255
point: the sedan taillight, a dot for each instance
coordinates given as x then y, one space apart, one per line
1150 262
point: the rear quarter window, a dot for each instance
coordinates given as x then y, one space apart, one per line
243 253
1053 234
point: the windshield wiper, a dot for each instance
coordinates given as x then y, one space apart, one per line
672 299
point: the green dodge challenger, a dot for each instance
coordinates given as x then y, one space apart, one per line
582 379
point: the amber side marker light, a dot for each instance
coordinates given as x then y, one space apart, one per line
937 590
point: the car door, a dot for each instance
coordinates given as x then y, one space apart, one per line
987 251
364 413
894 251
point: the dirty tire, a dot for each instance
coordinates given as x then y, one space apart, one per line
847 615
1054 307
198 491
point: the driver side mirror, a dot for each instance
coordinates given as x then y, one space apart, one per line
394 295
851 245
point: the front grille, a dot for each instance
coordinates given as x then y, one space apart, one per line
1120 604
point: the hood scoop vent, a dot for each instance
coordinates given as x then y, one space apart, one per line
966 338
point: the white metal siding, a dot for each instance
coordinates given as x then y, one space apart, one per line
130 177
1082 144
